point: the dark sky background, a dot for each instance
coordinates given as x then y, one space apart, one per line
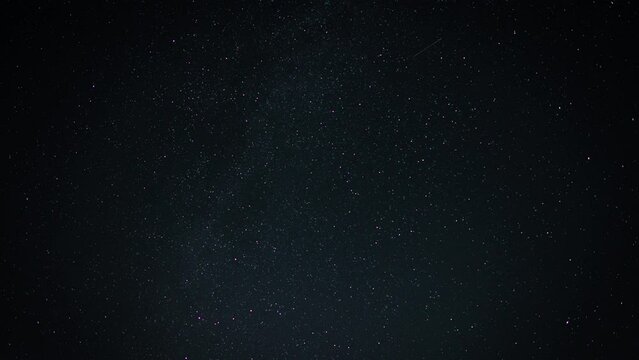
326 179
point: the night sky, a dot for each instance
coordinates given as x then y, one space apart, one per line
327 179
